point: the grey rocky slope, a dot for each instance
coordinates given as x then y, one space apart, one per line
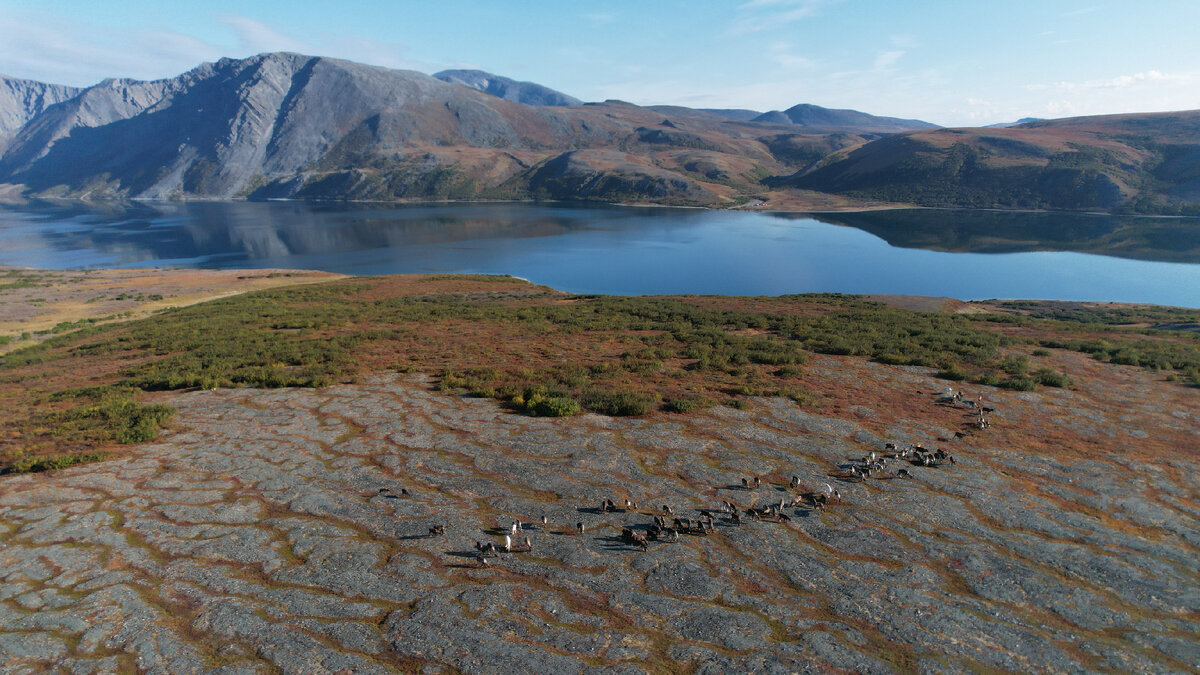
529 93
208 131
289 125
22 100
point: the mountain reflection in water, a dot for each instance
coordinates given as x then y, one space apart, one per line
605 249
959 231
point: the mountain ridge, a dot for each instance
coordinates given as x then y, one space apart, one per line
529 93
22 100
287 125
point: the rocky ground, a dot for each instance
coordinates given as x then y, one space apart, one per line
289 531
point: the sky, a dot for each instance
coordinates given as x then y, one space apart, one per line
951 62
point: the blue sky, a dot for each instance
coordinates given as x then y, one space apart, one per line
960 62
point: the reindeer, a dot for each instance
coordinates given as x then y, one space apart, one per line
437 530
634 538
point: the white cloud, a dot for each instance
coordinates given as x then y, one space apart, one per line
1145 79
62 51
256 37
51 48
759 15
600 17
887 59
783 55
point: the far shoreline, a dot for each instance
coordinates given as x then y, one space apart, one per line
766 207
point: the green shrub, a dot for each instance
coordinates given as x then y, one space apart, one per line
1051 378
1014 365
552 406
689 403
801 397
953 373
618 403
35 464
1019 384
109 414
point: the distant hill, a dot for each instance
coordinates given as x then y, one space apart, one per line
529 93
1005 125
1145 163
734 113
828 119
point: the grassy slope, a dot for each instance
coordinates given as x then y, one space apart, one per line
541 351
1136 163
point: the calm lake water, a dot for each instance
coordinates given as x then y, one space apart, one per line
961 254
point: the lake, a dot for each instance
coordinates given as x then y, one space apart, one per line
632 250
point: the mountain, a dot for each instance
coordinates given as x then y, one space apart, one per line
1146 163
529 93
22 100
828 119
288 125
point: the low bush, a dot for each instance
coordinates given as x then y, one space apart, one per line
36 464
788 371
618 403
689 403
1051 378
109 414
1019 384
552 406
953 373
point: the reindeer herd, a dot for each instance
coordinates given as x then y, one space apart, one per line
665 527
